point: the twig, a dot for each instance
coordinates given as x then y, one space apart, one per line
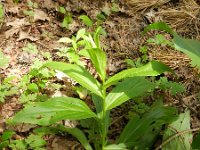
176 135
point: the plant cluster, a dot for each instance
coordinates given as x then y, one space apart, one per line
107 93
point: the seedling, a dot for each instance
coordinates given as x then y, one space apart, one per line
67 17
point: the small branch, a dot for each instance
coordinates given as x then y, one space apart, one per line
175 136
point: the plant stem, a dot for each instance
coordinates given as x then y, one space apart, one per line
104 121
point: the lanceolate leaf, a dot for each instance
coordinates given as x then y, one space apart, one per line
115 147
158 26
181 142
79 74
153 68
53 110
127 89
98 58
150 121
189 47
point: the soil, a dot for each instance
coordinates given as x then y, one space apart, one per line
123 40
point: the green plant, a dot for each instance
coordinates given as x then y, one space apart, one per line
188 46
127 84
173 87
178 134
160 39
31 142
141 60
86 20
67 17
33 83
7 88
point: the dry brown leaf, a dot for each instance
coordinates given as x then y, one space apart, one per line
24 35
14 9
16 26
40 15
18 23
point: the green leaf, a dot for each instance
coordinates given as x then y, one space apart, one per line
158 26
86 20
53 110
7 135
35 141
62 10
4 144
79 74
115 147
195 142
189 47
153 68
65 40
33 87
181 142
79 135
99 31
98 58
137 128
127 89
80 34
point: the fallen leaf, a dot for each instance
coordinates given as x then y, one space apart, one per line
16 26
13 10
40 15
24 35
18 23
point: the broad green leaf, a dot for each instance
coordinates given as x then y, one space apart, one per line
86 20
189 47
127 89
79 74
33 87
138 127
53 110
153 68
98 58
196 143
182 142
80 34
158 26
115 147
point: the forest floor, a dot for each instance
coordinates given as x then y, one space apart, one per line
30 29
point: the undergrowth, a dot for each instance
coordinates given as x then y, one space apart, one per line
145 123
